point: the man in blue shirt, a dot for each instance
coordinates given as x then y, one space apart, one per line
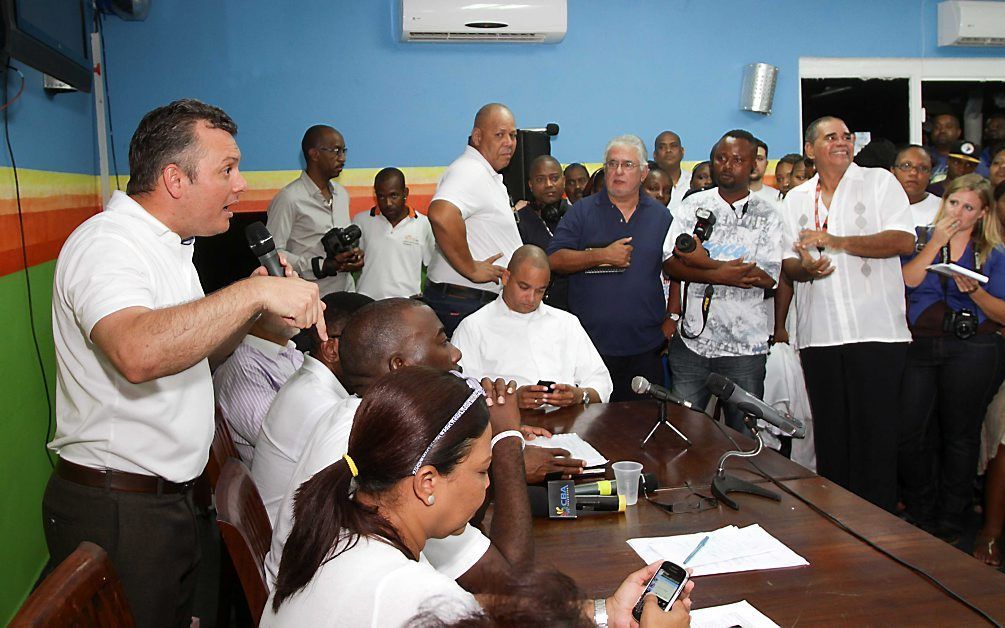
611 246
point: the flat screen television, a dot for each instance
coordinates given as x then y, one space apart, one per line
50 36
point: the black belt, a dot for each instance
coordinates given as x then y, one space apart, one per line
461 292
118 480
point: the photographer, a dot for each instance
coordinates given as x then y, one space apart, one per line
954 364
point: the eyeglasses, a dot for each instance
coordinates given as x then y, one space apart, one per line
907 166
614 164
338 150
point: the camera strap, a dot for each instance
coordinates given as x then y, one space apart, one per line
706 304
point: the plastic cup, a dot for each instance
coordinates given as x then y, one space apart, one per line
627 475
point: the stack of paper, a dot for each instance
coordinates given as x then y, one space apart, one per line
576 446
728 550
729 615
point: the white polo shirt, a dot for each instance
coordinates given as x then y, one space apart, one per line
120 258
329 441
478 191
394 255
924 211
296 410
863 299
546 344
298 217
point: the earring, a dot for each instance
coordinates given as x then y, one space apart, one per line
431 500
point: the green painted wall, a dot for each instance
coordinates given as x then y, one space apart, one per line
24 468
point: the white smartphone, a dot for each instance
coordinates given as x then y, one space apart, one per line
667 584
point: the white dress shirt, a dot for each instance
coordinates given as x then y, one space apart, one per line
298 217
329 441
863 299
924 211
394 255
121 258
471 185
247 382
296 410
679 190
547 344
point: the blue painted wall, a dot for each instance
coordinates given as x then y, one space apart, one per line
626 66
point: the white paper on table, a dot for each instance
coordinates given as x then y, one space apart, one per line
728 550
576 446
740 613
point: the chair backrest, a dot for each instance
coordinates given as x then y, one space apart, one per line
222 449
83 590
245 528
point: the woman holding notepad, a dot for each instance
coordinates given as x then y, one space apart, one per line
956 360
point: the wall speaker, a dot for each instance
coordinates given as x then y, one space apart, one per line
758 90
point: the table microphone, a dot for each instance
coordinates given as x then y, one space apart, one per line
610 487
550 502
264 248
641 386
727 390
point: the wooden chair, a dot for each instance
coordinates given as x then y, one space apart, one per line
246 531
222 449
82 591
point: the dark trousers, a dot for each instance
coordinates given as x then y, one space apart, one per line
853 392
689 372
623 368
451 308
151 539
947 386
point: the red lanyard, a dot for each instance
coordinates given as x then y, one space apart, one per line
816 211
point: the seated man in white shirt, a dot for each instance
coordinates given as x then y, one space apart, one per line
247 382
396 239
311 391
517 337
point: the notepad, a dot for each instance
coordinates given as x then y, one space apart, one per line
740 613
576 446
951 269
728 550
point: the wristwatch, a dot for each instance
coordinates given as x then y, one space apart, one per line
600 612
586 398
673 316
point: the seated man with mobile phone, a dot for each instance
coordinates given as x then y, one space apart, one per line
543 349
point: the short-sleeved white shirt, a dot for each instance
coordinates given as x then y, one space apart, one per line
546 344
471 185
863 299
372 584
310 392
394 255
924 211
329 441
121 258
679 190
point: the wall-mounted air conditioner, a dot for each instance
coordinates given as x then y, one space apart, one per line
971 23
535 21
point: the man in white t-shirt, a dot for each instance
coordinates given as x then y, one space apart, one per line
519 338
301 402
309 207
668 152
133 336
757 185
847 227
913 168
398 241
473 221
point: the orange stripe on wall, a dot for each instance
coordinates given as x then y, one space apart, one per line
45 232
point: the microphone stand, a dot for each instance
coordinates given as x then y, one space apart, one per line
723 484
663 420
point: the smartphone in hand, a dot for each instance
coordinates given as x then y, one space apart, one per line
667 584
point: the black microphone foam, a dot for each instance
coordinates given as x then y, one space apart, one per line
264 248
551 128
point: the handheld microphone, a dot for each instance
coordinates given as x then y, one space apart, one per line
551 129
261 244
559 501
726 390
641 386
610 487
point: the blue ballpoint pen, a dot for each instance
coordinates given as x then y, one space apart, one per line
697 549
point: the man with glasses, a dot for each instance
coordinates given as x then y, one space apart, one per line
308 208
913 168
611 244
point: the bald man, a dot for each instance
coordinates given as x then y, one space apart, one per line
517 337
472 221
538 220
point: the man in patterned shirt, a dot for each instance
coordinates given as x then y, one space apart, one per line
724 329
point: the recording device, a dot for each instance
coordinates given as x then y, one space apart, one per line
641 386
610 487
337 240
962 324
264 248
727 391
666 584
705 220
559 501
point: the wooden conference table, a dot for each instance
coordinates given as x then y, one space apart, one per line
846 581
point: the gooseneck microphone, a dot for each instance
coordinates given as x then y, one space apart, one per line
641 386
727 390
264 248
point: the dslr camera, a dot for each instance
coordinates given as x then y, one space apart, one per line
705 220
962 324
337 240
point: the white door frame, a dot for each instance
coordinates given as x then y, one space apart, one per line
915 70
